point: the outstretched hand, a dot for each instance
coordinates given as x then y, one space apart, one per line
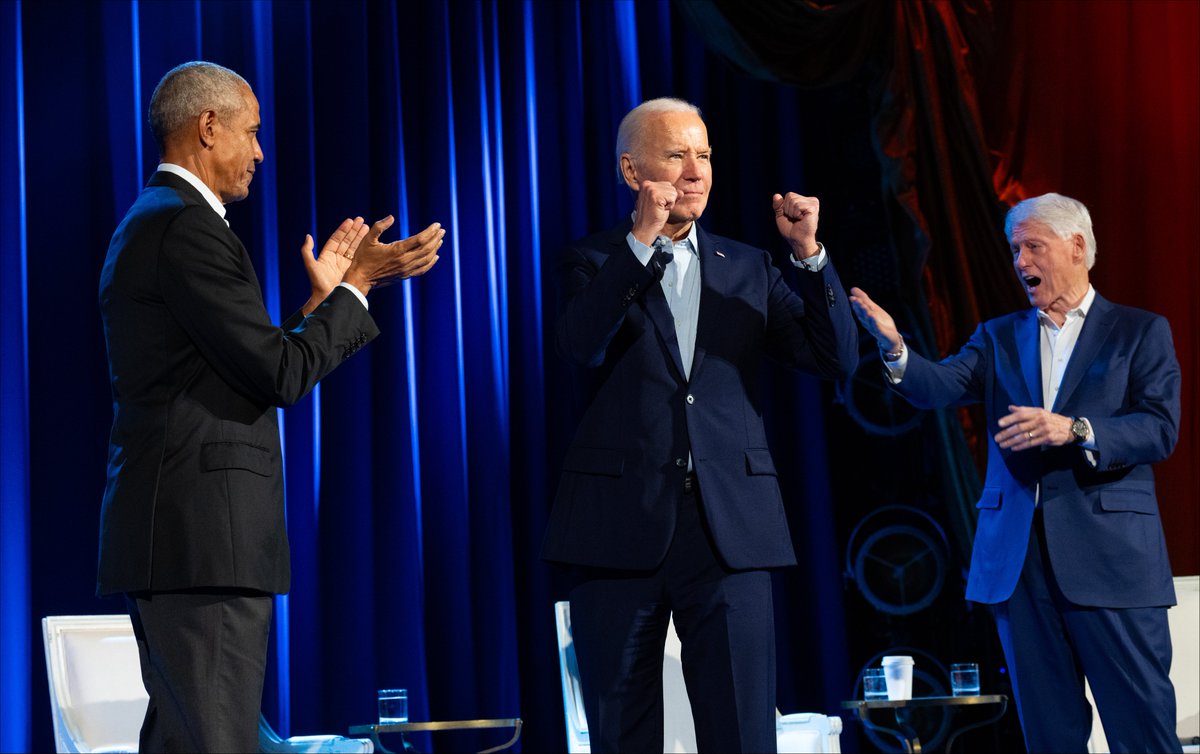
328 268
876 319
377 264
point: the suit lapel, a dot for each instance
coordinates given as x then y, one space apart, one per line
655 304
714 271
1029 348
1096 326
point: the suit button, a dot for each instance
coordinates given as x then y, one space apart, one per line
681 463
691 399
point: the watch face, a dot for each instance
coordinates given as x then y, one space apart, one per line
1079 429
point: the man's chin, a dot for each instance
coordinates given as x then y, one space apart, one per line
236 196
685 215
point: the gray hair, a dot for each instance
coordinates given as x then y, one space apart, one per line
629 133
190 89
1062 214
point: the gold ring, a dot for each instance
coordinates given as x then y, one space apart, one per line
1029 435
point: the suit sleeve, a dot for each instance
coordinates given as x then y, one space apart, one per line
957 380
593 301
1146 428
203 278
809 325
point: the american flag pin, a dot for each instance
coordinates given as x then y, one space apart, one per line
719 253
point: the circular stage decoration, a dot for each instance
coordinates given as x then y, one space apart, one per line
873 405
897 556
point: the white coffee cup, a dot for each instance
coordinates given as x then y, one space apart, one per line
898 670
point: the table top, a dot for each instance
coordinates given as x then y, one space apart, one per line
924 701
505 722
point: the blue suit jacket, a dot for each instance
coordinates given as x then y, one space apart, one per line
1103 530
623 473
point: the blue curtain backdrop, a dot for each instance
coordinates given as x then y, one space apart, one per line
419 475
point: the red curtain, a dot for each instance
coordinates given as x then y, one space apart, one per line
1100 100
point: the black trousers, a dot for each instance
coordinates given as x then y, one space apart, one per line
726 628
203 656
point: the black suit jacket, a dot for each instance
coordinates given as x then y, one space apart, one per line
194 496
624 470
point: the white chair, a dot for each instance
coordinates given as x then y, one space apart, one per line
1184 620
576 718
803 732
98 702
808 731
97 699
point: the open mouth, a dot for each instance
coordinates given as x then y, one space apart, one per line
1032 282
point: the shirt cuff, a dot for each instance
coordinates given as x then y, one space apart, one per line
357 294
1089 445
639 249
812 264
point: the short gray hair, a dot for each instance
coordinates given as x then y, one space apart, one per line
188 90
629 133
1062 214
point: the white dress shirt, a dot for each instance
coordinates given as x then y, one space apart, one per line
1056 346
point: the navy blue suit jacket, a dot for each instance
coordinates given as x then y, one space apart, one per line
1103 530
623 472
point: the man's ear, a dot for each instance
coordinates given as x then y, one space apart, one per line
629 172
206 128
1078 248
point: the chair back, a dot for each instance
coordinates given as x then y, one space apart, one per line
576 718
808 732
97 699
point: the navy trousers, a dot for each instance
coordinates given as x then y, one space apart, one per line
725 624
1051 644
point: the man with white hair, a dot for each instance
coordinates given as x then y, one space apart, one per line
192 528
668 502
1082 396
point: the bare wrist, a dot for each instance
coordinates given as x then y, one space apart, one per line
805 250
357 279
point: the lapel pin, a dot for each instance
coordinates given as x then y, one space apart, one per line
719 253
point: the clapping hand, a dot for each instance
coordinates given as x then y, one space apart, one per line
377 264
328 268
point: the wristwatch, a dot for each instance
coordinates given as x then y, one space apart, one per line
1079 430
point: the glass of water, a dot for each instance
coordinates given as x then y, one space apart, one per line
393 706
874 684
964 679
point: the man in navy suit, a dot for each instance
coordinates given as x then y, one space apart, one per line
192 528
1082 395
668 501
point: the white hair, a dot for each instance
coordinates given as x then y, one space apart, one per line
1061 214
190 89
633 125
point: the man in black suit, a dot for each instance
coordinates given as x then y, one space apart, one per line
668 502
192 527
